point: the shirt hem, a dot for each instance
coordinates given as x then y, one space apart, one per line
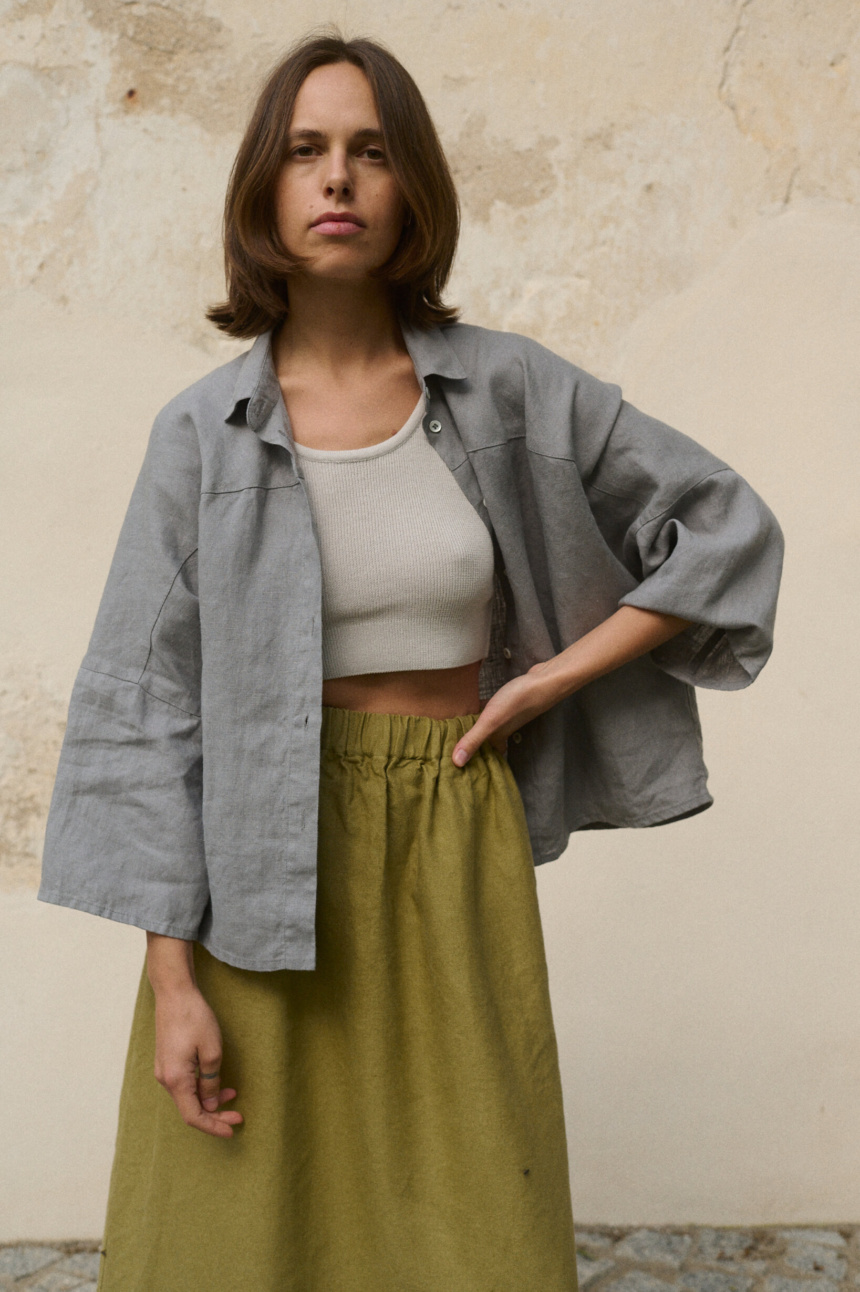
302 961
663 816
165 927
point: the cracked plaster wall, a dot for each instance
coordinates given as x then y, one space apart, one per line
637 179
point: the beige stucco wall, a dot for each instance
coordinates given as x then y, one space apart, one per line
667 193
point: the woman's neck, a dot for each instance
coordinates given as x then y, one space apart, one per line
335 325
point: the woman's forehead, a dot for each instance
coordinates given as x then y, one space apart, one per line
336 94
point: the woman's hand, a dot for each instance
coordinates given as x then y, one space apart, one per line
624 636
187 1039
514 704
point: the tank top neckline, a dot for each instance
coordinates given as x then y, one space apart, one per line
371 450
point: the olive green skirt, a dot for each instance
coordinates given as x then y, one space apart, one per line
404 1129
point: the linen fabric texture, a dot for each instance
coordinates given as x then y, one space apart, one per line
187 789
404 1125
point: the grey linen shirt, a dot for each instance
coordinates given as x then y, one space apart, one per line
186 794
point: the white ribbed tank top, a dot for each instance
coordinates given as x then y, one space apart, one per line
407 562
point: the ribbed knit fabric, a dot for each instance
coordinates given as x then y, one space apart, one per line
407 562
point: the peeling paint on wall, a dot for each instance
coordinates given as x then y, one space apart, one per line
32 723
174 59
488 170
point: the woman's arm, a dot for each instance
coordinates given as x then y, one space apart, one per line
187 1038
622 637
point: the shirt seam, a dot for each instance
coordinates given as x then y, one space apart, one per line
101 672
209 493
669 507
158 616
632 497
500 444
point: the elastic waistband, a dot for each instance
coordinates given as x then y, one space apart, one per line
391 735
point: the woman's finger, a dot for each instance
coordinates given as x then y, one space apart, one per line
209 1078
503 713
484 729
194 1114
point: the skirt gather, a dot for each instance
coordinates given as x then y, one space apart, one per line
404 1128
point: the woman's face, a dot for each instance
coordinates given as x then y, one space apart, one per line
337 203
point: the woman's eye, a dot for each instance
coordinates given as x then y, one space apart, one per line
303 150
374 154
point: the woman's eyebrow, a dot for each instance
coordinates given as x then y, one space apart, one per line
367 133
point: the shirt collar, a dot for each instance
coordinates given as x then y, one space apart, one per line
257 384
432 353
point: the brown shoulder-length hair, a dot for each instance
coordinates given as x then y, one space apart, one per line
256 262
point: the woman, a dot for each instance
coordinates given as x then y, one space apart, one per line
358 560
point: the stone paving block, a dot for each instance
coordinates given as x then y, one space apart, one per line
820 1237
745 1267
815 1258
84 1264
776 1283
723 1244
715 1281
655 1247
21 1261
640 1281
585 1238
589 1271
54 1281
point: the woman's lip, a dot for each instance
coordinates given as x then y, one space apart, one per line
337 227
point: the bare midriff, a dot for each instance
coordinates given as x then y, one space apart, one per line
426 693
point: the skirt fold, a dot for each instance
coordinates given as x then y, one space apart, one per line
404 1129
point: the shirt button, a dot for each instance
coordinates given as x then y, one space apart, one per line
506 652
516 737
435 427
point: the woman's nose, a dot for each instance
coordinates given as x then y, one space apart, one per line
338 187
339 182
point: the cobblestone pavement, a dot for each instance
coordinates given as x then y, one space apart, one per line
679 1259
54 1267
696 1259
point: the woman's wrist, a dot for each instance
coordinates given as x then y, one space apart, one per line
170 965
628 634
557 678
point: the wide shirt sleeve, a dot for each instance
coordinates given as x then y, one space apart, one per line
124 836
694 535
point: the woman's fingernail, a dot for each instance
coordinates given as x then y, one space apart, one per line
210 1104
460 757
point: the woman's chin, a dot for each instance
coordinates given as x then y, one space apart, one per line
343 264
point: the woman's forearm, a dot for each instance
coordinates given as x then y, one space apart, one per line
623 637
187 1039
169 964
